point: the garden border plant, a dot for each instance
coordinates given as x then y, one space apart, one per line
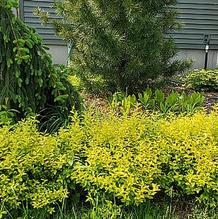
158 101
201 79
29 82
143 157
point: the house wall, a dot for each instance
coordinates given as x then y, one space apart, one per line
57 47
59 53
198 57
198 18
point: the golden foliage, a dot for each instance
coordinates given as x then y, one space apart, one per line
129 158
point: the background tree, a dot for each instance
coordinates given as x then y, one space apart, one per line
29 82
122 40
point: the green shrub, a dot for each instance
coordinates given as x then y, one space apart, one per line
31 168
206 80
116 160
7 116
123 42
29 82
158 101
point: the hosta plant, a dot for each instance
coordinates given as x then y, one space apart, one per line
206 80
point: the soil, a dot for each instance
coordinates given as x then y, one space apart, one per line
211 99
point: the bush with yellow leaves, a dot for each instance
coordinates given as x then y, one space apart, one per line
31 168
124 159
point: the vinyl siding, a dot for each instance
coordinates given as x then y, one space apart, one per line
198 17
46 31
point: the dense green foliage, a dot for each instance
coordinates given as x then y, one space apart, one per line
206 80
122 41
110 160
158 101
118 160
28 80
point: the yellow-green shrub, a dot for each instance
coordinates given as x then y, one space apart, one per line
135 157
129 159
192 152
31 167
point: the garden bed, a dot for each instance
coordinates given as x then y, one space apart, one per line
114 160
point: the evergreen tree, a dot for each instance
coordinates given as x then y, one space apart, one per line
29 82
125 41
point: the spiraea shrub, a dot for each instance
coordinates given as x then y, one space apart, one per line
119 160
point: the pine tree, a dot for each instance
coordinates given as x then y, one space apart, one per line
125 41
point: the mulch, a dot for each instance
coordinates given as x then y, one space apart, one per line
211 99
